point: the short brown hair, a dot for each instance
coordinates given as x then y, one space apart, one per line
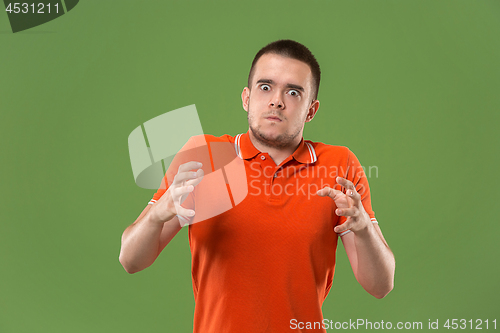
291 49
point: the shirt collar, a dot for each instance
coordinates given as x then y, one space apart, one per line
305 153
244 146
245 149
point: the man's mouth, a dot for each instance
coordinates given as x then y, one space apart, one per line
273 118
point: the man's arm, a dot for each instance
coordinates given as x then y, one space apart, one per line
144 239
371 259
155 227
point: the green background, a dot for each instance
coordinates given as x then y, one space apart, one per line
412 87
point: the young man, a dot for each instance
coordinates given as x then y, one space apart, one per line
267 264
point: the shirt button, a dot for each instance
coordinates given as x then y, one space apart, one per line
262 157
275 175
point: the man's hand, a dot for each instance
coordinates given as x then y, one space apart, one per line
144 239
371 259
170 202
348 205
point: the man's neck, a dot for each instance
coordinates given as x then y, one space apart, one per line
278 154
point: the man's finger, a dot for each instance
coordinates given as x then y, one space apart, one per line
193 165
350 191
180 191
187 175
184 212
330 192
346 183
178 196
196 180
354 195
351 211
343 227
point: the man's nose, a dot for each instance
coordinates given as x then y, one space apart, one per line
277 101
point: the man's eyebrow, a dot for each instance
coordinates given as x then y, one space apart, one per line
289 85
265 81
294 86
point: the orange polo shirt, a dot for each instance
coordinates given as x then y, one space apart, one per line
267 263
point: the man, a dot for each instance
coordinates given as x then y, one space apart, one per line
267 264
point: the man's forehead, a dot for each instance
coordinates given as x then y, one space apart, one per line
279 68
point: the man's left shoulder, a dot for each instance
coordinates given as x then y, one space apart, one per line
321 148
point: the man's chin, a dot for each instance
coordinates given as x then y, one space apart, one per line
271 138
268 135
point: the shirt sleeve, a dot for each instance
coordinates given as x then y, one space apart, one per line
356 174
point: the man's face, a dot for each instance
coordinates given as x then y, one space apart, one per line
279 101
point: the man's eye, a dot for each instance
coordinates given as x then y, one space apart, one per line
265 87
293 93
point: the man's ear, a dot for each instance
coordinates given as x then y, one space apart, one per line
312 110
245 97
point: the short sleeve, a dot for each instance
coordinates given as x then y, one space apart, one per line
356 174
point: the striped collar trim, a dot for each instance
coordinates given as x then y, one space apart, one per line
237 145
305 153
312 152
244 147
